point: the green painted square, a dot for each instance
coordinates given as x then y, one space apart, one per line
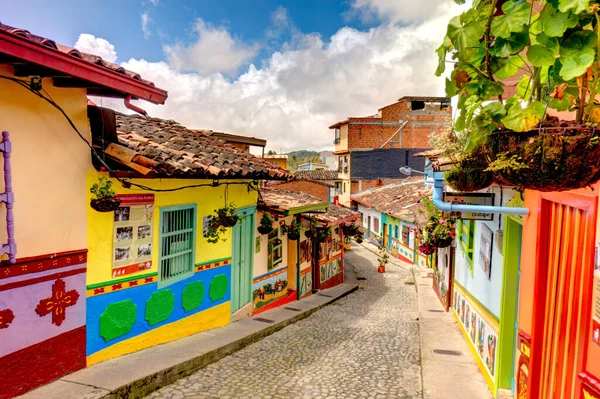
218 287
160 306
117 319
192 296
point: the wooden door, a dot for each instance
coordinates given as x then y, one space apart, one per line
562 307
242 260
385 236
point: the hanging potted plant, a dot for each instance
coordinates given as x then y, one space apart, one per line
323 234
382 258
294 231
266 224
227 216
105 199
470 173
438 232
556 45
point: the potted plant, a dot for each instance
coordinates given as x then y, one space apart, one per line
105 199
214 230
382 258
438 232
227 216
220 221
294 231
323 234
359 237
470 173
266 224
556 45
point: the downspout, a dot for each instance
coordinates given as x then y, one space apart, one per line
438 201
132 107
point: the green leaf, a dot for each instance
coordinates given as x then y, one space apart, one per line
504 47
484 89
451 88
475 138
524 88
441 52
520 119
495 110
540 56
578 6
465 36
555 23
577 54
516 16
511 67
561 105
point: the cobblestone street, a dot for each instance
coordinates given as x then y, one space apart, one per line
365 345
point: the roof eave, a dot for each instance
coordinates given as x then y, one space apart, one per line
38 54
307 208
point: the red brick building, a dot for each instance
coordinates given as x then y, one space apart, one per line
393 134
323 184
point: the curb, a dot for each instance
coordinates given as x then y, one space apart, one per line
78 385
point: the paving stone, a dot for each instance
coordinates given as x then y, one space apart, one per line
365 345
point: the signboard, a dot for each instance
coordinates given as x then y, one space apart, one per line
471 199
485 250
596 302
132 235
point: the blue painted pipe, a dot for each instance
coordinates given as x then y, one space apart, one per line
438 201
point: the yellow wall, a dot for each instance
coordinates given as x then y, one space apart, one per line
100 232
343 145
48 163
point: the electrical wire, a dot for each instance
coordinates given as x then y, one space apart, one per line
126 183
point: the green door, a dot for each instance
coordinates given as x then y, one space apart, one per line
242 259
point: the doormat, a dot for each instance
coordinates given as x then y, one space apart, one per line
263 320
447 352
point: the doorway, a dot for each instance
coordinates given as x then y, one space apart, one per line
561 314
242 259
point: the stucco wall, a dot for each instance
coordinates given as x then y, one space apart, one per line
486 291
374 214
49 162
261 257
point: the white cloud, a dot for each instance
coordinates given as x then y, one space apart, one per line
97 46
154 2
214 51
145 23
302 89
399 10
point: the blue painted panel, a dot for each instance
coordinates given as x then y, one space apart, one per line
139 295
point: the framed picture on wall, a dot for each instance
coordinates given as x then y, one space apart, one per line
485 250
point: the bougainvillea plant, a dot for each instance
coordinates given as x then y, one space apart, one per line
551 47
438 232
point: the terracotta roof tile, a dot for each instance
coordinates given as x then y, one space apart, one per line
182 152
335 214
285 200
317 174
399 199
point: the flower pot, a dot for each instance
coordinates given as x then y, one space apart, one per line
293 235
359 240
264 229
309 234
381 268
441 242
229 221
466 179
552 159
105 204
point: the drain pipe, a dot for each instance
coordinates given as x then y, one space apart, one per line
134 108
438 201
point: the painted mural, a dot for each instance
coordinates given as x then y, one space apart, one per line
131 314
330 269
305 251
42 320
402 250
482 336
306 284
269 287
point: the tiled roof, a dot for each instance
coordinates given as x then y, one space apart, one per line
284 201
22 36
335 215
399 199
317 174
181 152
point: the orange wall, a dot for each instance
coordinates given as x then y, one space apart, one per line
49 163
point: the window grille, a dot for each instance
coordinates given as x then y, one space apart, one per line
177 243
275 249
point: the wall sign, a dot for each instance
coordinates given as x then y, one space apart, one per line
485 250
132 235
472 199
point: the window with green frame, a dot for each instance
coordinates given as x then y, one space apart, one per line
396 229
177 243
275 249
465 230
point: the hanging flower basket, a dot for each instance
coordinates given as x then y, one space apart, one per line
547 159
470 174
426 248
264 229
105 204
293 235
266 224
440 242
294 231
229 221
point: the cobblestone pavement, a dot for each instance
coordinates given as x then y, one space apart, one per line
365 345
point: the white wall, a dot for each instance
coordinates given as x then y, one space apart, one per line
486 291
261 258
374 214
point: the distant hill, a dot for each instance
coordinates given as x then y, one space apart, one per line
299 157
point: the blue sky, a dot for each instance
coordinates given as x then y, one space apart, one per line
283 70
171 21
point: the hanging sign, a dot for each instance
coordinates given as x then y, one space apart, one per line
132 235
471 199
